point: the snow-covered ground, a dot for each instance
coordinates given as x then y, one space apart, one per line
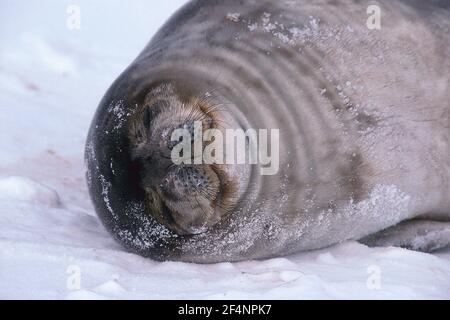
52 76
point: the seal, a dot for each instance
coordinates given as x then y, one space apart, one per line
358 91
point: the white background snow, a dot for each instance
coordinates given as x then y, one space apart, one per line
51 242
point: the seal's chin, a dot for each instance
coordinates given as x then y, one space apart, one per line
190 197
194 216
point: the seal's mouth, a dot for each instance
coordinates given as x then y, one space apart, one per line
188 221
167 219
189 199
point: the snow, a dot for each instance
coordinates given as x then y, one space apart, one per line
27 190
52 246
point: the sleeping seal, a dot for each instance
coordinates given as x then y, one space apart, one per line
359 92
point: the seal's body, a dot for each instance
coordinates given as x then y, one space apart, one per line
363 116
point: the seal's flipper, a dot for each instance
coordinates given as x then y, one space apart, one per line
417 234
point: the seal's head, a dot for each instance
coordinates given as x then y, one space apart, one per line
186 198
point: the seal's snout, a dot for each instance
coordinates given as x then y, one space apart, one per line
190 192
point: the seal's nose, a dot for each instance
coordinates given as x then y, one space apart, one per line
156 167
